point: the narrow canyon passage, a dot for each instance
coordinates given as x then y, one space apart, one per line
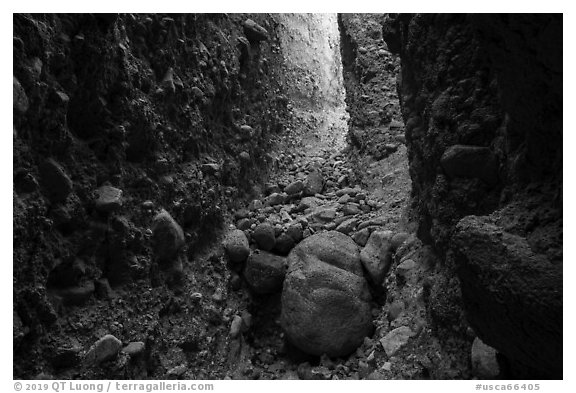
310 44
286 196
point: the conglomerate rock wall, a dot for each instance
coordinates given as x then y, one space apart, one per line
370 71
481 98
118 119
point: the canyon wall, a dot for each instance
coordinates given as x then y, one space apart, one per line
481 97
124 123
370 70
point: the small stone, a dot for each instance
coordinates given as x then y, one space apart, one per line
244 157
196 296
254 32
264 235
331 226
256 204
218 296
363 369
236 327
285 216
305 371
324 214
244 46
19 97
484 361
395 125
109 199
295 231
210 169
398 239
104 349
347 191
197 92
342 181
395 310
61 98
36 68
278 230
347 226
134 349
55 181
376 256
168 81
264 272
167 237
378 222
310 202
361 236
275 199
272 188
391 147
405 267
147 205
246 320
242 213
284 243
246 131
314 183
351 209
244 224
372 204
294 188
396 339
344 199
176 372
237 246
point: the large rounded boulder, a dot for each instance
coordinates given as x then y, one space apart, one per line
325 298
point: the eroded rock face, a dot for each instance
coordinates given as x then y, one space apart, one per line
481 99
89 110
325 299
512 294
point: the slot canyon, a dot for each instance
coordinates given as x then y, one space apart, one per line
287 196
